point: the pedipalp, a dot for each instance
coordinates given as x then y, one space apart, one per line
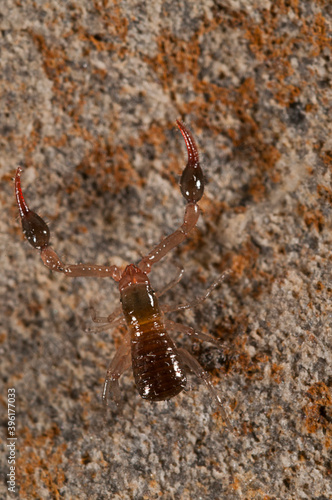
37 233
192 189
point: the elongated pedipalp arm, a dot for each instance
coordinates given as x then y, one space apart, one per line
37 233
192 189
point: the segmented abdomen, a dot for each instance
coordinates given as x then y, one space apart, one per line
158 370
157 367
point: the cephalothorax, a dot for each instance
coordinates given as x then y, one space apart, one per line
158 365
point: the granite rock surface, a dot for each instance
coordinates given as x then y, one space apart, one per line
89 95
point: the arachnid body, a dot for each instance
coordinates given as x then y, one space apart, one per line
159 367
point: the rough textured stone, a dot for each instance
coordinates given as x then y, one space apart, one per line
90 91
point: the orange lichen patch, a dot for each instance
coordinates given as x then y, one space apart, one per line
57 69
245 261
263 39
328 445
246 428
124 172
317 34
105 160
257 189
313 218
238 360
110 166
54 58
235 485
174 58
320 393
239 99
318 413
326 157
96 40
248 140
40 456
153 485
111 14
285 94
154 135
34 307
269 46
248 486
54 142
81 229
251 367
56 61
277 373
116 30
325 192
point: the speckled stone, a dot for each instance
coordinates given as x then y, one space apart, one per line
90 91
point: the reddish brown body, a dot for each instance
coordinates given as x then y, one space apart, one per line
158 365
158 368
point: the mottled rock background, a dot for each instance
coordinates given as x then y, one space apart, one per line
90 91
